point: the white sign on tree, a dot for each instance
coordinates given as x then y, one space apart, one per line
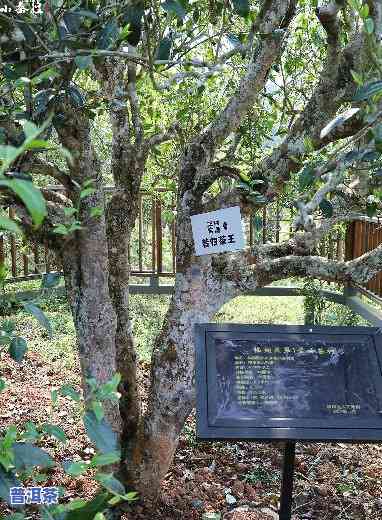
218 231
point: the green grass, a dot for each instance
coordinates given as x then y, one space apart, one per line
147 313
280 310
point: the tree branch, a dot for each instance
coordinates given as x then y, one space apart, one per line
272 28
358 271
329 20
160 138
37 166
276 15
335 86
134 104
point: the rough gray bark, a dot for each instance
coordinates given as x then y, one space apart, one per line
85 262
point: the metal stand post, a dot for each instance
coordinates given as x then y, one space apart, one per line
287 482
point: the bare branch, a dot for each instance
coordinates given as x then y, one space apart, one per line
162 137
329 20
134 104
358 271
267 52
37 166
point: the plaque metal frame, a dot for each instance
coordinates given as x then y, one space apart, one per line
237 430
351 429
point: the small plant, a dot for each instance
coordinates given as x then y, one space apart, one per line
23 461
314 303
189 433
260 475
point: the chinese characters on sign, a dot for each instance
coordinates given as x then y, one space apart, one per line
271 379
33 495
218 231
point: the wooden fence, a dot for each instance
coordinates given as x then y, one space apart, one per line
363 236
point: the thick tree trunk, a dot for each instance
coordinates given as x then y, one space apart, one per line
198 296
85 264
121 216
85 261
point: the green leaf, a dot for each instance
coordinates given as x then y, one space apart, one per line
76 96
7 155
108 36
369 156
69 212
18 348
86 192
75 504
326 208
7 224
2 385
105 459
40 316
257 222
15 516
50 280
364 12
100 516
87 512
31 433
174 7
241 7
7 481
87 14
306 177
75 468
101 433
60 229
69 391
112 484
98 410
125 33
164 49
5 339
367 91
38 144
369 25
47 74
55 431
83 62
54 397
108 388
30 196
132 495
96 212
371 209
31 131
29 456
72 22
41 477
8 326
352 156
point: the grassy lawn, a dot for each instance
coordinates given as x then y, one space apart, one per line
147 312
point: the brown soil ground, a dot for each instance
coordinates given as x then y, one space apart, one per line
333 481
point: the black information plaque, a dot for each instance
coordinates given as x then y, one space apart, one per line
289 383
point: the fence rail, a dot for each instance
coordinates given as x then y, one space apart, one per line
153 244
